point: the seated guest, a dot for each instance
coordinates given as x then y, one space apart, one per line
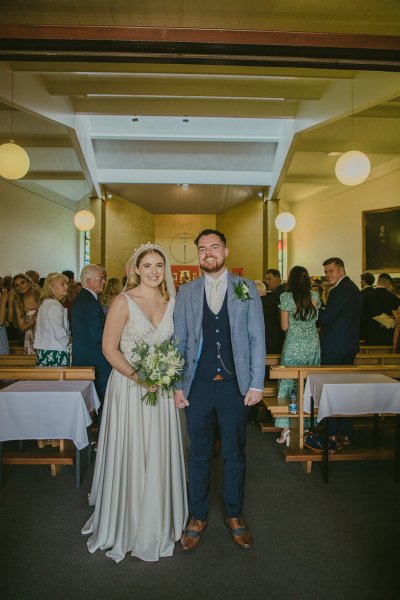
52 327
367 282
25 306
379 301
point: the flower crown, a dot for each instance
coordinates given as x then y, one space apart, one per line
147 247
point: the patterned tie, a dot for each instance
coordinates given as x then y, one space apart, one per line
215 303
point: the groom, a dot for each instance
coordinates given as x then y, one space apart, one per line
219 326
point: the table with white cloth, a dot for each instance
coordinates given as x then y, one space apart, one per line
35 410
353 394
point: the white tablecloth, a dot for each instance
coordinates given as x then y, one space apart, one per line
47 410
351 394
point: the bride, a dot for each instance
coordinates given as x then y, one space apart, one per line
139 485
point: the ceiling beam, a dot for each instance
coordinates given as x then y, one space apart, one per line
186 45
253 178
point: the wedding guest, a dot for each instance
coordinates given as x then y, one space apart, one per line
112 288
340 327
4 346
52 327
52 330
367 282
299 310
34 275
26 304
274 283
274 336
379 301
87 326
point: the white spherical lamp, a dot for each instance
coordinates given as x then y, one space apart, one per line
14 161
352 168
285 222
84 220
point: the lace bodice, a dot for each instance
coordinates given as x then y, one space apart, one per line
140 328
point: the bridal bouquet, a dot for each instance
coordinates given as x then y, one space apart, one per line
160 365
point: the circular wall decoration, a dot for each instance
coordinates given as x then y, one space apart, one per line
183 248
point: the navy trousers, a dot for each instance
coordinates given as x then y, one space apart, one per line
211 403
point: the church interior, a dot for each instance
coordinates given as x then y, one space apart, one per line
164 118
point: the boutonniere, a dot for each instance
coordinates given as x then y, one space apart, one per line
241 291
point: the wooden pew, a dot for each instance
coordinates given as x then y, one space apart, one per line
296 451
29 373
46 373
17 360
364 349
16 348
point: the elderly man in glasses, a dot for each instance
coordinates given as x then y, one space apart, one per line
87 324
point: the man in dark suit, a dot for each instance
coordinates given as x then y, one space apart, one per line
340 326
367 283
273 281
87 327
377 302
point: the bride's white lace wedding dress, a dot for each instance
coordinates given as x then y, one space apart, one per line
139 484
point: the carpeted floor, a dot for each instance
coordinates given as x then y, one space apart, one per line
339 541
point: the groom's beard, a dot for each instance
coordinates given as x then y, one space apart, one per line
212 267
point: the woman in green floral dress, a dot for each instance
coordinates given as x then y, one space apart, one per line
299 310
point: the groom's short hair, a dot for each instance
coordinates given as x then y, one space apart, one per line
211 232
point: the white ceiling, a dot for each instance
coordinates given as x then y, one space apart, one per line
229 131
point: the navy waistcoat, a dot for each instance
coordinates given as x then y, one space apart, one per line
216 334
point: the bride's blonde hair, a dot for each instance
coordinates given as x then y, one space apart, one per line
134 279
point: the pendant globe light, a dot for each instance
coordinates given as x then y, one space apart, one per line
285 222
353 167
84 220
14 160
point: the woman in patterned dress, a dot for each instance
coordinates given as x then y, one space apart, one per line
299 310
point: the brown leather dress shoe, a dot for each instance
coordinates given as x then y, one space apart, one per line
240 535
192 534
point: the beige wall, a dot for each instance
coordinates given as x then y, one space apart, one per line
35 233
333 227
126 227
243 227
167 227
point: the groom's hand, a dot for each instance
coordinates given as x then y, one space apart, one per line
253 397
180 400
